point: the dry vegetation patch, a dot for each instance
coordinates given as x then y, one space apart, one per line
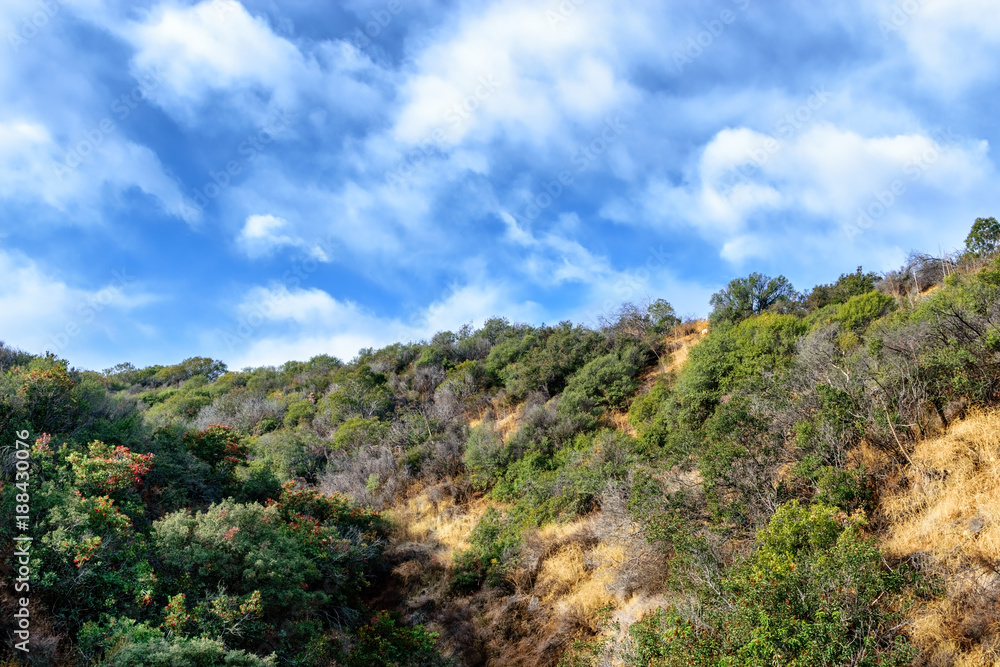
685 337
568 579
947 520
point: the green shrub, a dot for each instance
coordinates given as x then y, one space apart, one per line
358 392
847 286
730 357
183 652
486 456
386 641
298 412
543 359
494 545
645 407
42 396
258 483
607 382
861 311
358 432
815 592
302 553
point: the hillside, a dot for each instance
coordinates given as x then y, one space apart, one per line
805 478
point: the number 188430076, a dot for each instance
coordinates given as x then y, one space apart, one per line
22 477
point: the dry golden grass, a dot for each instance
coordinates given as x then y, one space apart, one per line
568 574
949 520
680 345
619 421
508 425
507 417
690 327
575 581
438 523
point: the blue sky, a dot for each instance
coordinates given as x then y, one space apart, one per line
265 181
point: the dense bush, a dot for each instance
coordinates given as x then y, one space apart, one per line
814 592
544 359
124 643
494 545
385 640
847 286
604 383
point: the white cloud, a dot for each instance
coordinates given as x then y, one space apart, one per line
955 44
47 314
213 45
746 246
216 51
823 175
33 167
554 258
507 70
263 235
650 280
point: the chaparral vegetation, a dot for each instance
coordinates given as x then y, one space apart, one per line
804 478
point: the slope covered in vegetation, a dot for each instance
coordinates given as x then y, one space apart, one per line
791 481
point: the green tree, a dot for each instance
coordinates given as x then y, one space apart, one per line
847 285
663 314
187 369
984 237
752 295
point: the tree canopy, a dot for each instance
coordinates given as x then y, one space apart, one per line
753 295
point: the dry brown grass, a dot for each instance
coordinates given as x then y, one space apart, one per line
690 327
679 345
948 520
507 417
510 421
433 518
619 421
569 576
575 582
